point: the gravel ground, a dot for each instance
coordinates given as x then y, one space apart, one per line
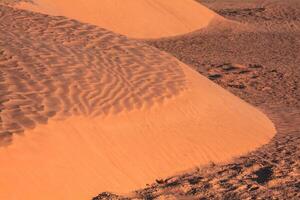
258 60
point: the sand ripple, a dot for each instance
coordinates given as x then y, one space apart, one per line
102 112
60 68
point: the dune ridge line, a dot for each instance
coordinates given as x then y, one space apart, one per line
85 110
136 19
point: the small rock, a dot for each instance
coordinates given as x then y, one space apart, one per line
214 76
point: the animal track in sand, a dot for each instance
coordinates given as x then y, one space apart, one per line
59 67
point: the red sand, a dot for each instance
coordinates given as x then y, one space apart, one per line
157 116
138 19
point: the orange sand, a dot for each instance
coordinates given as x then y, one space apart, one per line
138 19
80 156
161 117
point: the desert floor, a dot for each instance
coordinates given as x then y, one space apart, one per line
260 64
254 55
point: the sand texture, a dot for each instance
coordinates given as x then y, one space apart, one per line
258 60
85 110
137 19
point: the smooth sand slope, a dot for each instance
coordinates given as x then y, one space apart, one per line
85 110
244 62
138 19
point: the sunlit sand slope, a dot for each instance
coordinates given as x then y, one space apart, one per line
138 19
85 110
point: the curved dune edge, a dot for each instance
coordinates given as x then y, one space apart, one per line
80 156
77 157
136 19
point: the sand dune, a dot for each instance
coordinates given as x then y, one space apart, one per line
244 62
138 19
85 110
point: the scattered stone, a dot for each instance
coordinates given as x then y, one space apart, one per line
214 76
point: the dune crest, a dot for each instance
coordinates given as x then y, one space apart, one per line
137 19
100 112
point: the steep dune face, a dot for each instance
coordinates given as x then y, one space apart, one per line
138 19
85 110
